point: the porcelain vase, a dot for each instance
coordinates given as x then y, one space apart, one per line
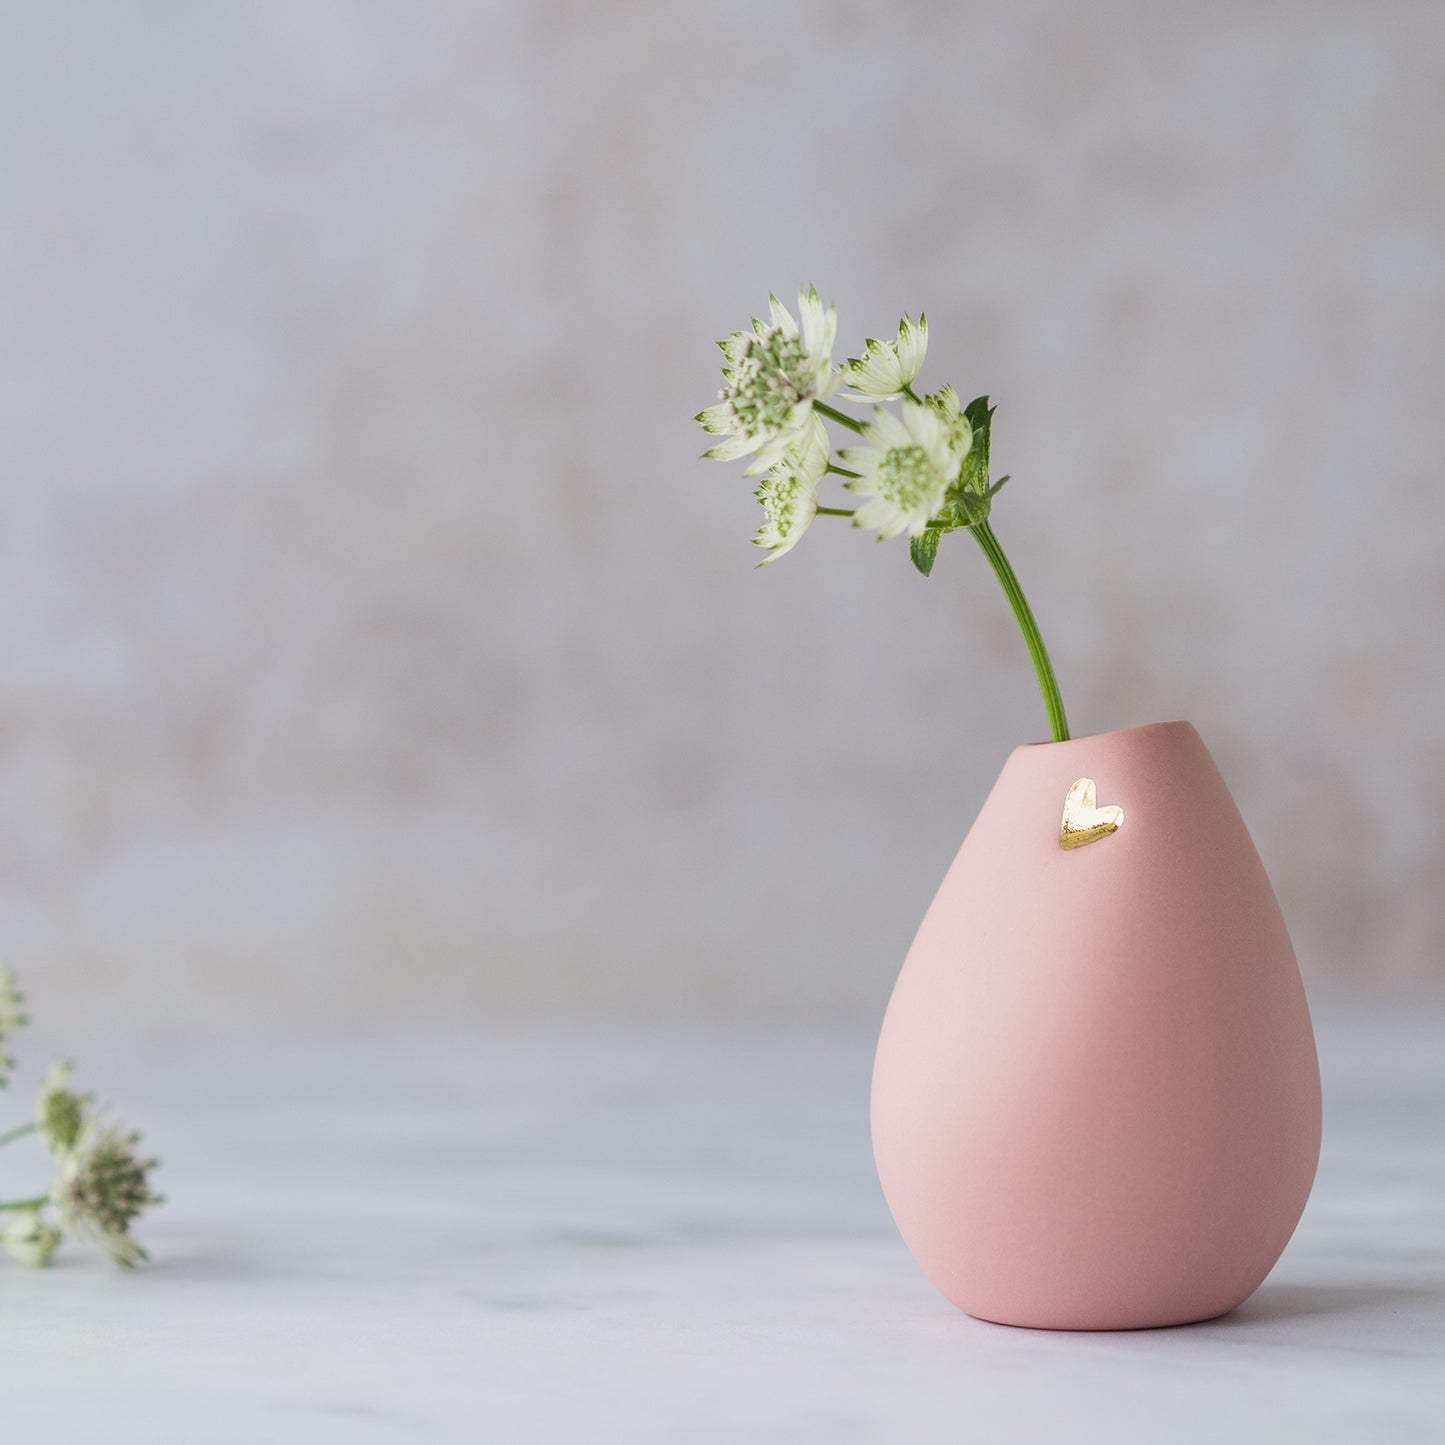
1096 1099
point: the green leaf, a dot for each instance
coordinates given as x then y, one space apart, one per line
980 417
975 465
924 548
971 508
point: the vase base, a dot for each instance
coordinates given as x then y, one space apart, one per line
1168 1322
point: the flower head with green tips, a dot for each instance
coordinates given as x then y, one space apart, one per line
774 374
789 494
12 1017
60 1112
888 368
102 1188
905 471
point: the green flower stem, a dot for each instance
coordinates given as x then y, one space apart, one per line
36 1203
1048 684
912 395
19 1132
843 472
840 417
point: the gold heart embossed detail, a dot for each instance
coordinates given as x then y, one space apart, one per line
1084 822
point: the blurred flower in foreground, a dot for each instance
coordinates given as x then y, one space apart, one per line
100 1186
29 1239
12 1001
59 1110
101 1190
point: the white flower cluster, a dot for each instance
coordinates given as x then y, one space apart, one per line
101 1185
778 379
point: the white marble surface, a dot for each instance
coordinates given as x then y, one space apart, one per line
666 1234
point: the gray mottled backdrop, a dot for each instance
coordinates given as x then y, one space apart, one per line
371 637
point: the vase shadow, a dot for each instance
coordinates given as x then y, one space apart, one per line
1273 1303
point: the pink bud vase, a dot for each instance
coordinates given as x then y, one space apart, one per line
1096 1101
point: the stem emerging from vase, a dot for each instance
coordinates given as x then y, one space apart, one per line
1048 683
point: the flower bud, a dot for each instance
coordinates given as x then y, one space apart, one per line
29 1239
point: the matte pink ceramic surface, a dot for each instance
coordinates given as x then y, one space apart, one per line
1096 1101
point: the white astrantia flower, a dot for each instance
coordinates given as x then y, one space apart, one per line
12 1017
29 1239
905 470
886 367
60 1112
775 373
100 1189
789 494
